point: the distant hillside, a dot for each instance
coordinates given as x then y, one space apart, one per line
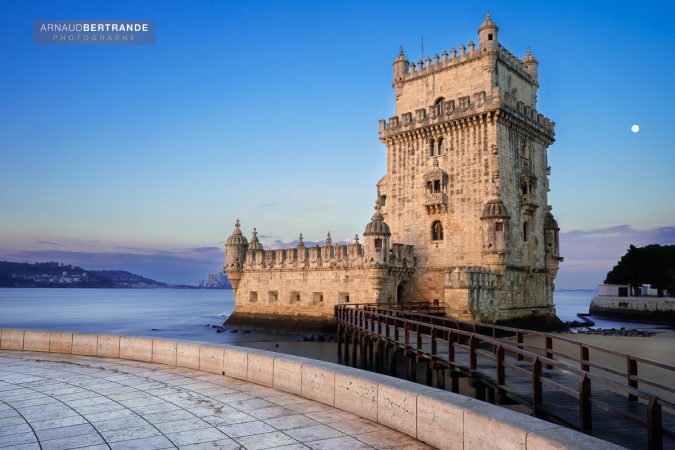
54 274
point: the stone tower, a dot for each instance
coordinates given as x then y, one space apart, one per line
467 180
461 216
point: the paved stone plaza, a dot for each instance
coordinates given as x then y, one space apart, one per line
52 401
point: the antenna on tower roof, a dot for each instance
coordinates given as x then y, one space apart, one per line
422 47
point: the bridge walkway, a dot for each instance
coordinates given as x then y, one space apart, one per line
556 378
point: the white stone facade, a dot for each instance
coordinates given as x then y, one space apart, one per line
465 195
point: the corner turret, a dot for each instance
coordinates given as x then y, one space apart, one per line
495 223
401 66
376 239
235 255
488 34
532 67
552 240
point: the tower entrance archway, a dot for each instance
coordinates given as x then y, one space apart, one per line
401 292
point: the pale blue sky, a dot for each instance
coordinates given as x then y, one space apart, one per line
267 111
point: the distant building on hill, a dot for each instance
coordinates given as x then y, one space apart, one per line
215 281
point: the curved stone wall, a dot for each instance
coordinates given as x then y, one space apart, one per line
439 418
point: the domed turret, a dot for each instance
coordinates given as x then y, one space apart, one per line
552 239
376 239
377 225
236 238
495 209
488 34
236 247
401 65
255 243
495 220
550 223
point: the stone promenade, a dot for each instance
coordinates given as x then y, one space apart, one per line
53 401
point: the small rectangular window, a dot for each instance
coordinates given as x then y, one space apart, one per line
499 226
273 296
253 296
490 37
317 298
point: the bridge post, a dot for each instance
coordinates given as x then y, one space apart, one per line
339 339
479 389
584 358
501 374
440 377
346 339
536 386
473 356
585 410
392 360
654 425
519 338
430 374
454 381
549 346
354 339
364 351
631 371
412 367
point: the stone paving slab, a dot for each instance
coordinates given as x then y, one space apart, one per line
59 401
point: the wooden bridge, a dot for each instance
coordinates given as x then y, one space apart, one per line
621 398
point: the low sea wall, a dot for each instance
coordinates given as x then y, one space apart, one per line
439 418
639 309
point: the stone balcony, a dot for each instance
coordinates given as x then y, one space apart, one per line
528 204
435 202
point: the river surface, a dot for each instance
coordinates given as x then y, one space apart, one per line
184 314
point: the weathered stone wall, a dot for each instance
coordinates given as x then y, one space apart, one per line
439 418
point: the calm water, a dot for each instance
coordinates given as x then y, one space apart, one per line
176 313
569 303
172 313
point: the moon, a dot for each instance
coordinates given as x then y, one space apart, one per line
635 128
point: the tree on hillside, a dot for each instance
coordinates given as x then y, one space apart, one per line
652 264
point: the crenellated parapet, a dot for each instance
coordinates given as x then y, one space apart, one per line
460 112
319 257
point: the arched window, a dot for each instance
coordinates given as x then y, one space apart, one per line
429 187
431 147
437 231
378 245
437 186
440 147
526 231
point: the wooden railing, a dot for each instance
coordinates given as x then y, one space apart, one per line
517 352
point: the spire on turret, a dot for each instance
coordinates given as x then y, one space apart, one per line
532 66
301 243
488 23
377 225
255 243
529 57
487 34
236 238
329 240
